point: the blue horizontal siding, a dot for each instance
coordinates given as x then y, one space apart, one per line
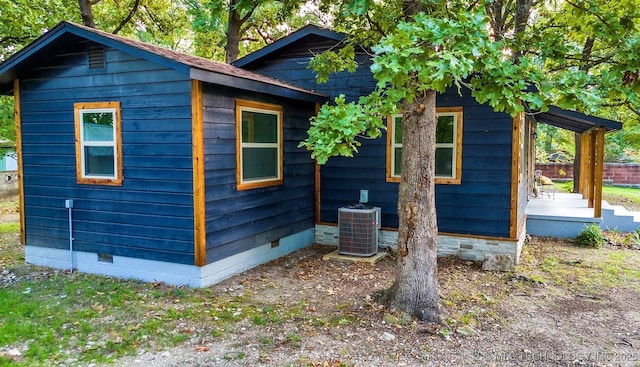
486 153
151 215
237 221
235 246
133 198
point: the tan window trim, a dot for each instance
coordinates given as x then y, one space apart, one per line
80 177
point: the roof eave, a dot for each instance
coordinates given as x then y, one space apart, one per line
256 86
133 50
575 121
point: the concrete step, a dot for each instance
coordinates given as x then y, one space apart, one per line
618 218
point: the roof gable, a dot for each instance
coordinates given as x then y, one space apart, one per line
300 35
195 67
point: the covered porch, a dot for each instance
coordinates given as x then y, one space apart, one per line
564 214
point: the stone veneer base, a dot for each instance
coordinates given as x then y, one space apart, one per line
467 248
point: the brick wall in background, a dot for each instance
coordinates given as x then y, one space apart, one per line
614 173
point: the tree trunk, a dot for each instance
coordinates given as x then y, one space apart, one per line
232 48
415 290
86 13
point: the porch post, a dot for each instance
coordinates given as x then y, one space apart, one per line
599 168
584 164
592 167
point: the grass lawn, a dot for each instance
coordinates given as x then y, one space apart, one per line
626 197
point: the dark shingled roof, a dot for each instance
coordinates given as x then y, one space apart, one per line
282 43
203 66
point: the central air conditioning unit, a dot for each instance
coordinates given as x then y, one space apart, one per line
358 227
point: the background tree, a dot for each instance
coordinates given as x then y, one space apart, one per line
236 27
23 21
428 46
86 12
161 22
20 23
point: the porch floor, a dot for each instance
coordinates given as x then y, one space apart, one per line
566 215
561 205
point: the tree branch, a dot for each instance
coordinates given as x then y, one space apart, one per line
127 18
248 15
587 49
374 24
265 36
156 22
10 40
589 12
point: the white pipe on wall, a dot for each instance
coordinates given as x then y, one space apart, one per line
69 205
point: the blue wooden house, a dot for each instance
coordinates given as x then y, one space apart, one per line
137 161
484 159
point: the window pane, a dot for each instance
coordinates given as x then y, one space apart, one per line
259 163
97 126
98 161
397 162
397 130
444 129
444 162
259 127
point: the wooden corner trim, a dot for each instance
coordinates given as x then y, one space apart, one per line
199 199
18 121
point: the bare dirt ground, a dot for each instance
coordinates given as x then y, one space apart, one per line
495 319
564 306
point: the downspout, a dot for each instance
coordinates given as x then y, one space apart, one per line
69 205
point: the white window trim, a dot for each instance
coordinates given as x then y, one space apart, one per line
111 144
98 107
452 145
394 145
263 108
455 177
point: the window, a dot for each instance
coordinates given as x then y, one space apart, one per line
258 145
448 146
98 143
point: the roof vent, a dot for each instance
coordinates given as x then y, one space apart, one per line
96 58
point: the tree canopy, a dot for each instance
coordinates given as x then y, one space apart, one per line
579 55
226 30
514 55
199 27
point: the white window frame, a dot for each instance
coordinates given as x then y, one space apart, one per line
263 108
98 107
455 145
